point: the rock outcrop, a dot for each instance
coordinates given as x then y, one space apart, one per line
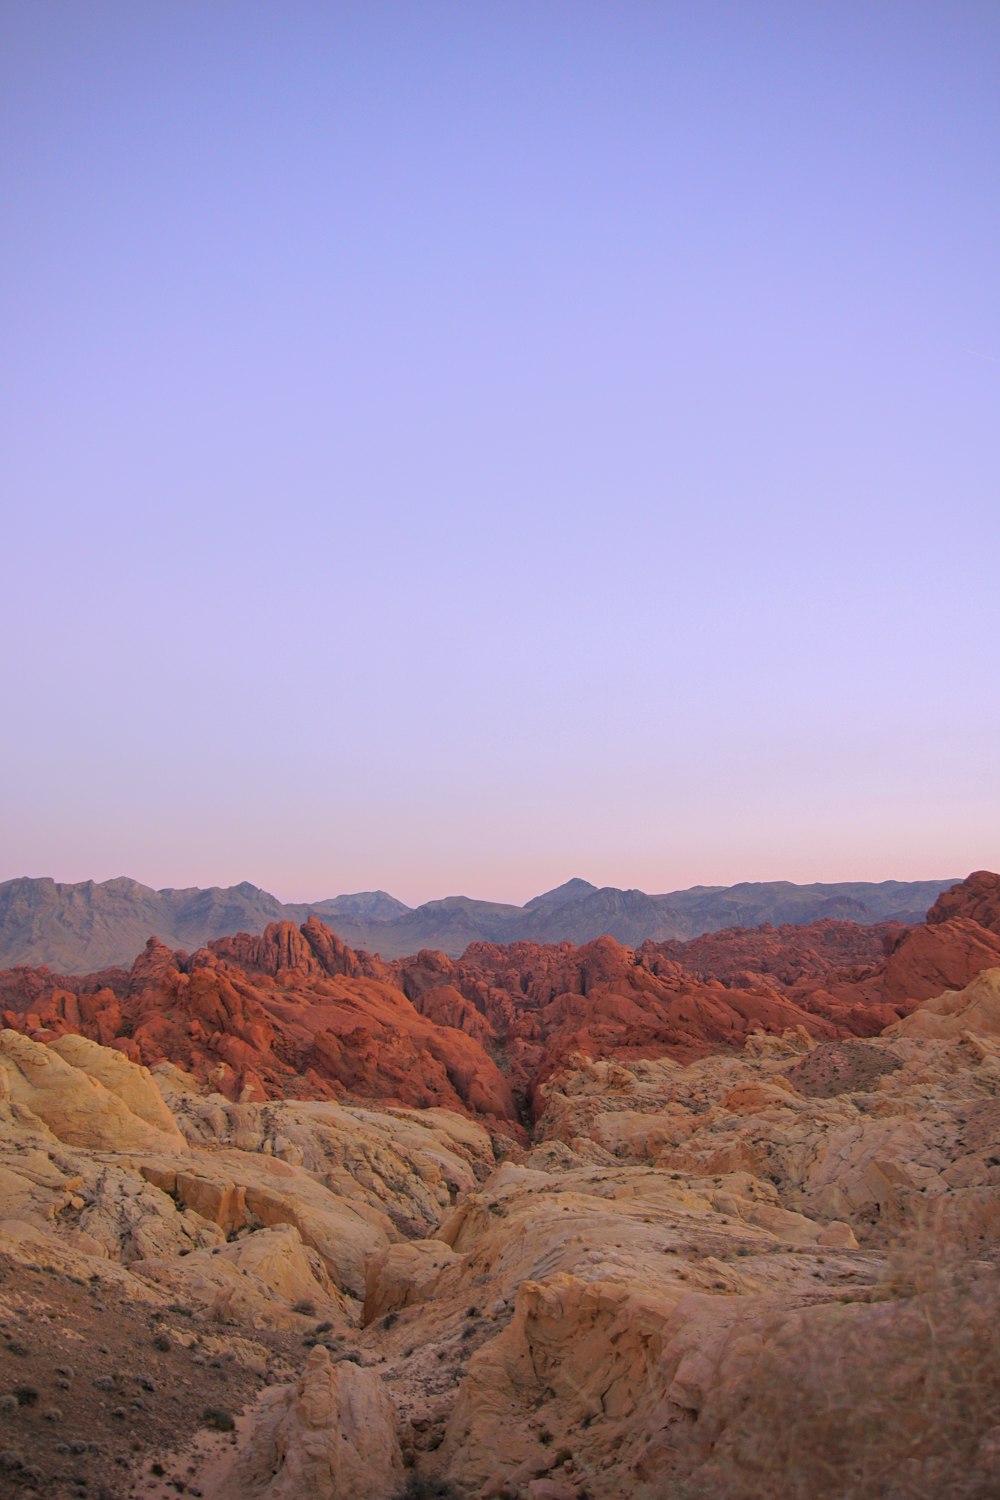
957 1013
976 898
306 1018
331 1436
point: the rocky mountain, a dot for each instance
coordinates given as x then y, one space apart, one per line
295 1012
730 1250
80 928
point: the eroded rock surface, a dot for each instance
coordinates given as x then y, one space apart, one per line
732 1270
330 1436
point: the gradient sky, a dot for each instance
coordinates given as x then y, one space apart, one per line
453 447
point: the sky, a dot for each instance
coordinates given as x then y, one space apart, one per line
450 447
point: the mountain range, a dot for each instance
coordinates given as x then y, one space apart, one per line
79 928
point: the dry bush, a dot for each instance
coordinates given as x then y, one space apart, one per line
894 1400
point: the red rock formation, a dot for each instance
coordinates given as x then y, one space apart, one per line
544 1001
287 1028
295 1012
944 955
977 898
789 954
284 949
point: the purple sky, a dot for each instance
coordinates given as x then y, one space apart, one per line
453 447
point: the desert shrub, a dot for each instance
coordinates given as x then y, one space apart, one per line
218 1418
421 1487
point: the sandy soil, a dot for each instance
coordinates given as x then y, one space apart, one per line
96 1396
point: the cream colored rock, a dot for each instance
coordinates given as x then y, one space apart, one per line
607 1313
408 1273
976 1009
331 1436
134 1085
75 1105
267 1280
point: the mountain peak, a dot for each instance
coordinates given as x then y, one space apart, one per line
570 890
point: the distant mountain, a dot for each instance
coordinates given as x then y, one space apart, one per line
372 906
77 929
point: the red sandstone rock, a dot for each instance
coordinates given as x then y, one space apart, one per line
977 898
944 955
295 1012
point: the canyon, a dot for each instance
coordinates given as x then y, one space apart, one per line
714 1217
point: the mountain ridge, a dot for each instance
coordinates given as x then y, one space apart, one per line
89 925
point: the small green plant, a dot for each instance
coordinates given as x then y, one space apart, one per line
218 1419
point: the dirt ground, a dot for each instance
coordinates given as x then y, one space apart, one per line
97 1394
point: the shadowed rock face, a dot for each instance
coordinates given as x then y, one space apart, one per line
977 898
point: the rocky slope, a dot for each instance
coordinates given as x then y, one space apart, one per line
544 1222
771 1269
84 927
